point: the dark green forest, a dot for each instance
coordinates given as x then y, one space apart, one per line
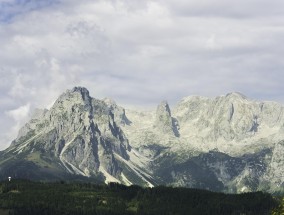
27 197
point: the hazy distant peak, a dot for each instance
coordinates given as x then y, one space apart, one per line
194 98
236 95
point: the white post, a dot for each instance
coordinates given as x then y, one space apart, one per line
9 178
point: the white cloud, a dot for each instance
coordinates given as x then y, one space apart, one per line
20 113
139 52
20 116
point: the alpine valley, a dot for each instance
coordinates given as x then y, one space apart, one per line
229 143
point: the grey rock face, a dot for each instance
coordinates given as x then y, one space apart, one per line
275 174
79 131
164 120
230 118
229 143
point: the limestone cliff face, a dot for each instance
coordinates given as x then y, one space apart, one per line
230 118
228 143
164 120
78 130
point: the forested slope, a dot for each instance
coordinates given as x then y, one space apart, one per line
26 197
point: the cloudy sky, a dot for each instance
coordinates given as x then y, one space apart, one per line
137 52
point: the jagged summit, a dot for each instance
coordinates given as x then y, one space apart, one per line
228 143
163 117
77 93
164 106
80 89
164 120
83 91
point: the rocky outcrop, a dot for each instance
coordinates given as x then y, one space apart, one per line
164 120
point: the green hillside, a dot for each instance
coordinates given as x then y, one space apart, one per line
26 197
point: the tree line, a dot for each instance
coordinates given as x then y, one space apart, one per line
27 197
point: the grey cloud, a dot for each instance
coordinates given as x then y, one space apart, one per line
227 8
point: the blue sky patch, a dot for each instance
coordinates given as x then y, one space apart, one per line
9 10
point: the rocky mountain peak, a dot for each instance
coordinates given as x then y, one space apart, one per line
164 120
163 108
80 89
83 91
71 100
163 114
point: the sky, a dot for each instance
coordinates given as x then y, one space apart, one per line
137 52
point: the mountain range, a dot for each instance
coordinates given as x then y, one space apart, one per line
229 143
